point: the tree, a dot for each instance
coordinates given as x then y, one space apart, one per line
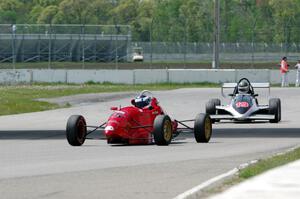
145 20
74 12
286 16
9 11
47 15
102 11
125 13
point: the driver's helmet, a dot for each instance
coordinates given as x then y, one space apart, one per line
142 101
243 87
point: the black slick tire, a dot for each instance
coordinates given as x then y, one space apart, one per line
275 109
210 107
162 130
76 130
202 128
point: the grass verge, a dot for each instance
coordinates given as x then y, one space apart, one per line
21 98
253 170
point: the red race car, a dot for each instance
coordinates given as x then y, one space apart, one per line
145 122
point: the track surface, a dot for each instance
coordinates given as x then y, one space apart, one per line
37 162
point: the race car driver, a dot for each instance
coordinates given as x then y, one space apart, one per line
142 101
243 88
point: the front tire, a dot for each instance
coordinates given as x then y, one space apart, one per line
76 130
203 128
275 109
162 130
279 116
210 107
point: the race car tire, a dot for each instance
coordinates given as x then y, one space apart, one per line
202 128
210 107
275 109
279 116
76 130
216 101
162 130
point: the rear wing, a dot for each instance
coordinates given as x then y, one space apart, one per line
254 85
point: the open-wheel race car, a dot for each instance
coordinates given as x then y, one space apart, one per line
244 104
144 122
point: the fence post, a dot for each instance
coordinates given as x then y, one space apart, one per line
83 45
252 49
14 28
116 47
49 46
151 48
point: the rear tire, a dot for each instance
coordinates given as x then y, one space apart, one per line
210 108
202 128
162 130
275 109
76 130
279 116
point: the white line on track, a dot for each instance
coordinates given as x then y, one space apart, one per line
206 184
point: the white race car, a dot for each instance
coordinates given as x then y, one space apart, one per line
244 104
137 55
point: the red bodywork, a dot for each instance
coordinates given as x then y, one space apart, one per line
133 125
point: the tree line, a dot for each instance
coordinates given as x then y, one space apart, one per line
168 20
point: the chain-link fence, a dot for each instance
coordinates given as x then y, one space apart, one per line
64 43
229 52
63 46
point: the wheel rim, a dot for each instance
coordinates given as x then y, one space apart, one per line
167 130
207 128
81 130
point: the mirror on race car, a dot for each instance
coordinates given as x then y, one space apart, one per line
114 108
133 102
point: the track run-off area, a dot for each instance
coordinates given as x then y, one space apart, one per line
37 162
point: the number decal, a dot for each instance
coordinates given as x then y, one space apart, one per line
242 104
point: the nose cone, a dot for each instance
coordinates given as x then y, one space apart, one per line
110 130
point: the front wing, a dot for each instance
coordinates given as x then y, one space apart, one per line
252 117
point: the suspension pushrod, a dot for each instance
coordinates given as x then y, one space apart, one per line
185 125
96 128
185 120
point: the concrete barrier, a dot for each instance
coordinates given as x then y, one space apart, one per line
49 76
142 76
201 75
254 75
113 76
15 76
150 76
275 77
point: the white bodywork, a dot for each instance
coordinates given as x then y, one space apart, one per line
137 57
250 114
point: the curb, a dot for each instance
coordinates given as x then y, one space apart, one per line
193 193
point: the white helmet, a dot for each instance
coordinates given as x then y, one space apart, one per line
142 101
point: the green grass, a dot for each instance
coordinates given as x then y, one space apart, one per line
269 163
21 98
253 170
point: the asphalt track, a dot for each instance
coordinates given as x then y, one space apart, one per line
37 162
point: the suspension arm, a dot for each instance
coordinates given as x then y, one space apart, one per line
95 128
